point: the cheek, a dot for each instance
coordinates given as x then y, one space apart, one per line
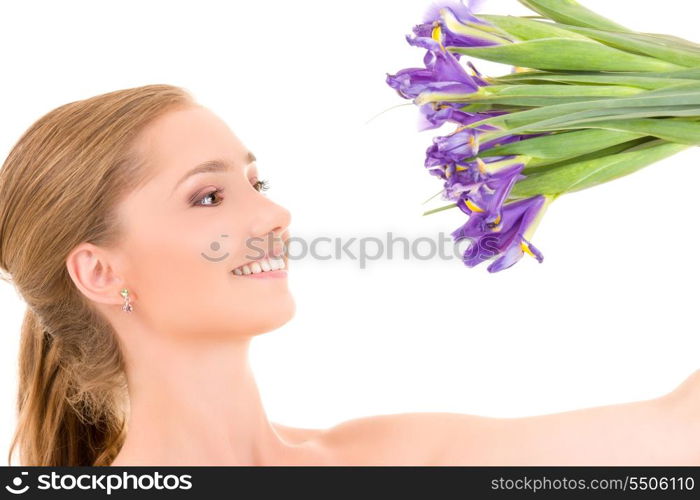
181 276
175 266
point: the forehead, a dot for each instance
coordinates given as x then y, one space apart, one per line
182 138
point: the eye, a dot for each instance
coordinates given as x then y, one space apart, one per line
262 185
207 196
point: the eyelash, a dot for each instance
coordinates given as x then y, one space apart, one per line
260 185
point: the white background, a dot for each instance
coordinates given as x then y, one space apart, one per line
610 316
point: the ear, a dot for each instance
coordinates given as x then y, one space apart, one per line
96 273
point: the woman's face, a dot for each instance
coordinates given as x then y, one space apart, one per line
185 232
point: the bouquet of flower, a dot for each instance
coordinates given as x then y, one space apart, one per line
588 101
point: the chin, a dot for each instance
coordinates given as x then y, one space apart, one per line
274 315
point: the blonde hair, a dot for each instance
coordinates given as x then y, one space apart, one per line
59 186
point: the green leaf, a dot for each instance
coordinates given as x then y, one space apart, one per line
547 90
534 101
588 173
488 28
528 29
684 74
674 39
571 12
545 164
665 50
561 145
671 130
478 107
687 95
565 54
582 118
531 95
642 82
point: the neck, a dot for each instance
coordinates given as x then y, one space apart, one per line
195 402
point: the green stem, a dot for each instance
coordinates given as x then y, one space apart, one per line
439 209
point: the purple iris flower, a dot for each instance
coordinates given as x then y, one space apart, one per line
455 147
450 24
459 145
508 241
478 187
442 73
434 114
463 13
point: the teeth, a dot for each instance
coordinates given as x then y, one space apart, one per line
261 266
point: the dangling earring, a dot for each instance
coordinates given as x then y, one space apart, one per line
127 305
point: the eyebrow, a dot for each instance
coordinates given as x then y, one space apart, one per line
212 166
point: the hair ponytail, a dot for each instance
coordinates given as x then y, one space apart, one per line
55 425
60 186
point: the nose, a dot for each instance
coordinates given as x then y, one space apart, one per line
271 222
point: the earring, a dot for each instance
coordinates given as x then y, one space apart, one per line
127 304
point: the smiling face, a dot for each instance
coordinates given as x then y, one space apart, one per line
201 216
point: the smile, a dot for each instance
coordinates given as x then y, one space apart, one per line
261 266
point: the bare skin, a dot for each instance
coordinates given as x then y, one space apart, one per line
658 431
193 396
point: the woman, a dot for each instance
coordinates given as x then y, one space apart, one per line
134 227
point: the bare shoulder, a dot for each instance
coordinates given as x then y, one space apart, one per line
296 435
416 438
684 400
687 390
588 436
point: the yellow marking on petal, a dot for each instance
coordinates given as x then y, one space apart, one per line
471 141
498 220
472 206
482 166
461 167
526 248
436 35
